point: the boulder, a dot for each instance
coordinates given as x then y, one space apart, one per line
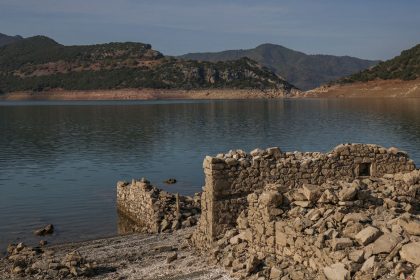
411 253
270 199
385 243
341 243
336 271
356 217
417 274
356 256
311 192
275 273
347 194
368 264
367 235
412 227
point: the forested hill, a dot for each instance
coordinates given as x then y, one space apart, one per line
39 63
6 39
406 66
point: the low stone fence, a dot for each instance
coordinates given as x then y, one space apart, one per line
154 210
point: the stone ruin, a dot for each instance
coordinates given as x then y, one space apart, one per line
352 213
153 210
231 177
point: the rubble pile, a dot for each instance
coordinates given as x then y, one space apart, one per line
38 263
366 228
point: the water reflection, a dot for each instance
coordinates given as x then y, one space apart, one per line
127 226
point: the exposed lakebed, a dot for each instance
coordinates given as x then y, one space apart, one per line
60 161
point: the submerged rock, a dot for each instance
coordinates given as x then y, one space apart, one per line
170 181
48 229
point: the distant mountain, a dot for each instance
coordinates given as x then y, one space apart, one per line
302 70
406 67
6 39
39 63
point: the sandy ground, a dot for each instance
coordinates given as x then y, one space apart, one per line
138 256
141 94
383 88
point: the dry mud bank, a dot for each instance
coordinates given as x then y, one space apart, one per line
380 88
142 94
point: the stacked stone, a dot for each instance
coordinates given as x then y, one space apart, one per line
37 263
155 210
355 229
230 177
139 202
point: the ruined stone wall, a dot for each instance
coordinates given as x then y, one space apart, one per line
154 210
230 177
360 229
137 201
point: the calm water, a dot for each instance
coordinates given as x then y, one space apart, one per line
60 161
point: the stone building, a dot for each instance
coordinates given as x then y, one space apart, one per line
231 177
352 213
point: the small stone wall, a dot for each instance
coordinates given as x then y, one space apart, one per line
231 177
154 210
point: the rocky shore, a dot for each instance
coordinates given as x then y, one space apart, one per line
137 256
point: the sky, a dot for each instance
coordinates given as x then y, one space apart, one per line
370 29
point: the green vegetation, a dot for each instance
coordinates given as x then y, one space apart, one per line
6 39
404 67
40 50
39 63
302 70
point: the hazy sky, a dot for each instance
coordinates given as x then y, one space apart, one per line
374 29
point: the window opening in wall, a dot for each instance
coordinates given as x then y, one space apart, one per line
364 169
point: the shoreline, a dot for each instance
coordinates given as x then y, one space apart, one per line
132 256
371 89
141 94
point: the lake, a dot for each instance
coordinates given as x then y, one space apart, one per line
60 161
